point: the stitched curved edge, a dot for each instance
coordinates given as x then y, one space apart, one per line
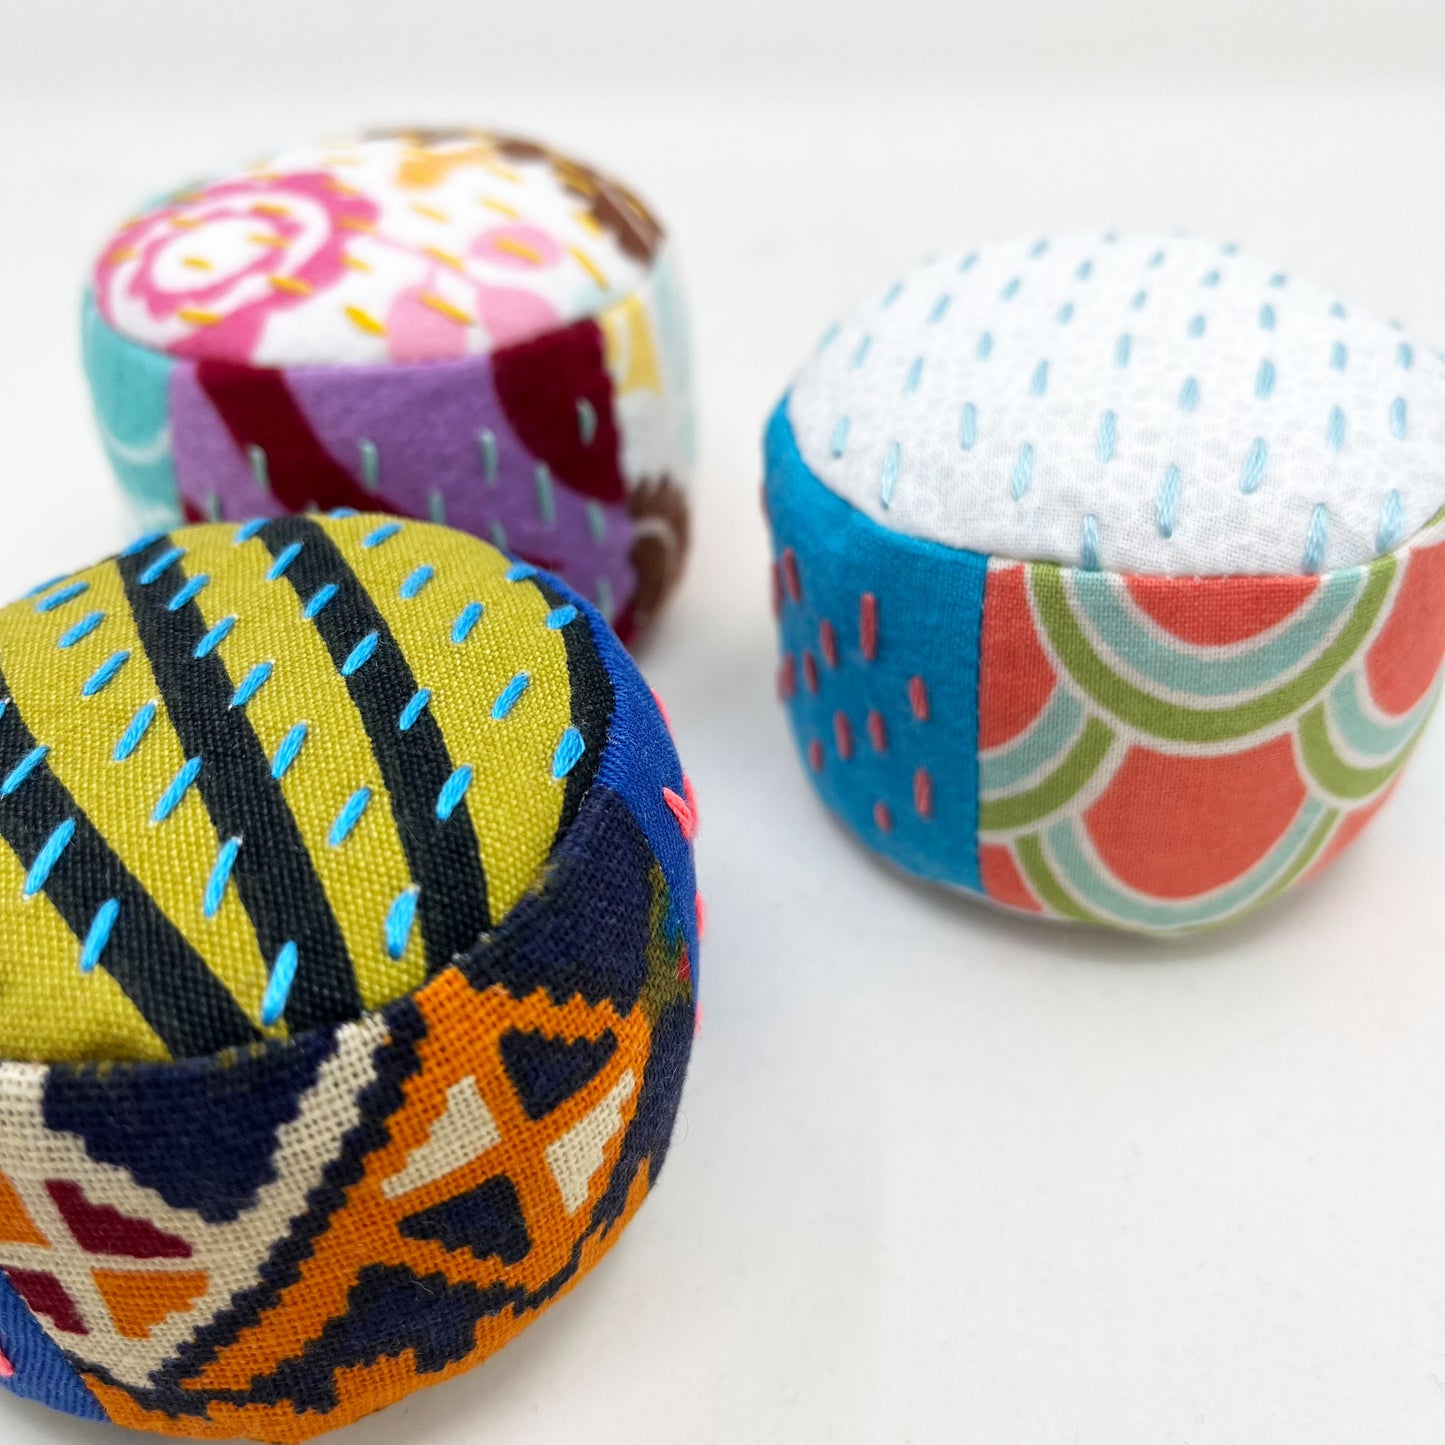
632 705
1404 545
462 370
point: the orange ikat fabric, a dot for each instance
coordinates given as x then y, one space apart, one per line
263 1203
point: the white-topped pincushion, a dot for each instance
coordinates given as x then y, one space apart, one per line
1152 405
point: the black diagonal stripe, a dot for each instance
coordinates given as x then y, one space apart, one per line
147 955
592 699
274 874
445 861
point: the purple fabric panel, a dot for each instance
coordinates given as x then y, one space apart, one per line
425 422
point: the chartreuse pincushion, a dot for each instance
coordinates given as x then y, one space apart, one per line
458 326
1110 574
347 992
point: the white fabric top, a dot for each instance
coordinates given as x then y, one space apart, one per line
392 249
1152 405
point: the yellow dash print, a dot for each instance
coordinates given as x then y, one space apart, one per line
342 189
198 263
266 238
192 316
445 257
588 222
270 208
351 223
185 223
355 262
519 249
292 285
445 307
498 169
502 208
589 266
365 321
122 253
576 179
430 212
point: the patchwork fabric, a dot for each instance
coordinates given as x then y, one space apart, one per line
461 326
1166 752
258 1189
1144 750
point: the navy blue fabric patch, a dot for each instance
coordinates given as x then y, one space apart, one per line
41 1371
586 929
883 694
486 1220
547 1072
200 1132
640 761
390 1310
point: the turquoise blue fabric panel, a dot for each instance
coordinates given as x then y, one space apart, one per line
131 389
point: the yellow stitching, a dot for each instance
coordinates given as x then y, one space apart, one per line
266 239
587 264
293 284
518 248
445 257
445 307
194 317
197 263
355 262
364 321
269 208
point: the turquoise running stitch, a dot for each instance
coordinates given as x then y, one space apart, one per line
98 935
220 876
278 986
81 630
399 920
130 739
48 857
179 786
286 753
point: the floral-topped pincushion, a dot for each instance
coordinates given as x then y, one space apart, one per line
458 326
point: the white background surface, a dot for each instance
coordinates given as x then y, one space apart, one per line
939 1176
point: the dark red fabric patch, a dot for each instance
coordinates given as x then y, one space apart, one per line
258 410
103 1229
540 384
47 1296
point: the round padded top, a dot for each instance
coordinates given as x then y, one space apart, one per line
261 778
1139 404
416 247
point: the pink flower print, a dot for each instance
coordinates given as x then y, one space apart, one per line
514 313
202 276
422 324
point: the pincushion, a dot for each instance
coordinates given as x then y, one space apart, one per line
1110 574
346 882
464 327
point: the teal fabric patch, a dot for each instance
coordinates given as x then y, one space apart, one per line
880 639
130 387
